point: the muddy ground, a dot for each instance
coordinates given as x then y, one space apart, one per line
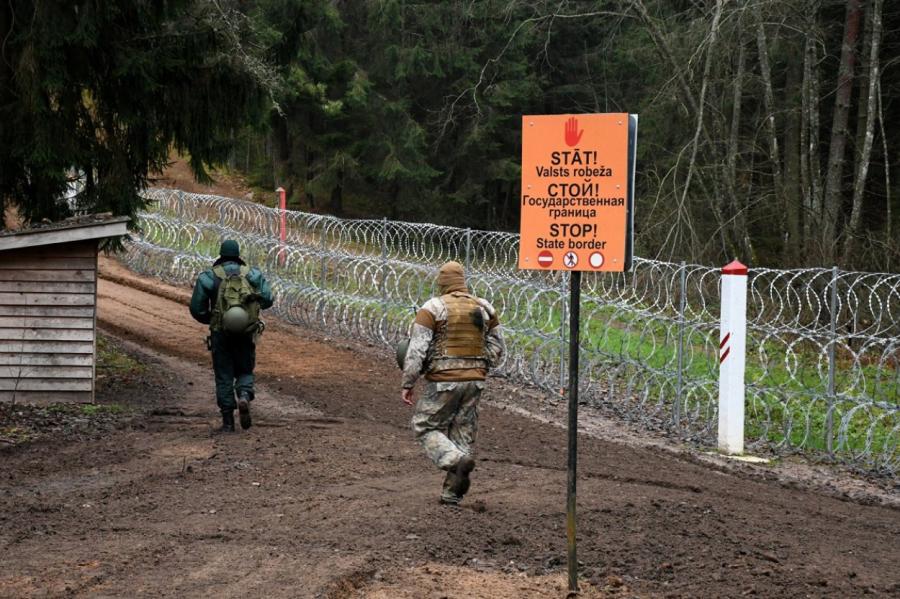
328 496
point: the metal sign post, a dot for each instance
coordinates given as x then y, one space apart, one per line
572 468
577 214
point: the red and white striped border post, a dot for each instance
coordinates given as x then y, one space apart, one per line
732 350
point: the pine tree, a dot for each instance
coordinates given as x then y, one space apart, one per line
102 91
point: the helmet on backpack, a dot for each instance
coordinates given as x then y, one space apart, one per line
235 320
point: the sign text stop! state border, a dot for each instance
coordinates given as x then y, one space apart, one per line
577 192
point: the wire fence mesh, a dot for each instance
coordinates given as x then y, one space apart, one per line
823 345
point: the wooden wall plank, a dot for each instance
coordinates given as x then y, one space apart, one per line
46 299
46 385
38 312
59 237
46 287
46 397
45 263
47 347
55 275
56 359
46 372
45 322
78 249
46 335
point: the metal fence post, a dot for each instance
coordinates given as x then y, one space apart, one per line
180 204
468 250
382 283
322 252
563 321
679 382
829 418
282 223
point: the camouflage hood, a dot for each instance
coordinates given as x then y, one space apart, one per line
451 278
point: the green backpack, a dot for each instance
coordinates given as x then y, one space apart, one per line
236 309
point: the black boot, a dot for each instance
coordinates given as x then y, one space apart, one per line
448 496
227 421
457 482
244 409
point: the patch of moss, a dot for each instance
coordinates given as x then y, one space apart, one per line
93 409
15 434
112 361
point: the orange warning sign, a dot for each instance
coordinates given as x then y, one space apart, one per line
577 192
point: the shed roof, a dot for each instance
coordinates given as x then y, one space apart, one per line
80 228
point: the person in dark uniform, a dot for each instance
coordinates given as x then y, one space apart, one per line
229 297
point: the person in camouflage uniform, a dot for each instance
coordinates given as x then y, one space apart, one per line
455 339
233 355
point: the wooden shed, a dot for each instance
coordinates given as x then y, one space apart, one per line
48 309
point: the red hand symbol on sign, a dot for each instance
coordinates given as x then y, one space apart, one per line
573 135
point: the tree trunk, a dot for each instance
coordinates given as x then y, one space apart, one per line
888 235
814 214
791 186
667 54
862 165
395 200
861 83
247 159
837 146
805 178
737 207
337 200
307 177
769 105
713 32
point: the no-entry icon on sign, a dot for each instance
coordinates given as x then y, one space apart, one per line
545 259
577 191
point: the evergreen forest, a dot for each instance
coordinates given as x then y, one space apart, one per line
768 128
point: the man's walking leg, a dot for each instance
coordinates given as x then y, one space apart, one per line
223 370
244 363
464 426
434 413
462 431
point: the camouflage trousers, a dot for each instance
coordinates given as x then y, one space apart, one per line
446 421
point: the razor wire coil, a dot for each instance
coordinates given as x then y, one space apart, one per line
823 346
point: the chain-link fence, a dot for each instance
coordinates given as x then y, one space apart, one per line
823 354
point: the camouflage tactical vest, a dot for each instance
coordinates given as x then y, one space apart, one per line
459 341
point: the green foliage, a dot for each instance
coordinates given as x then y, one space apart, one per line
93 409
100 92
113 362
412 110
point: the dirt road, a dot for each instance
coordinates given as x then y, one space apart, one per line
327 496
